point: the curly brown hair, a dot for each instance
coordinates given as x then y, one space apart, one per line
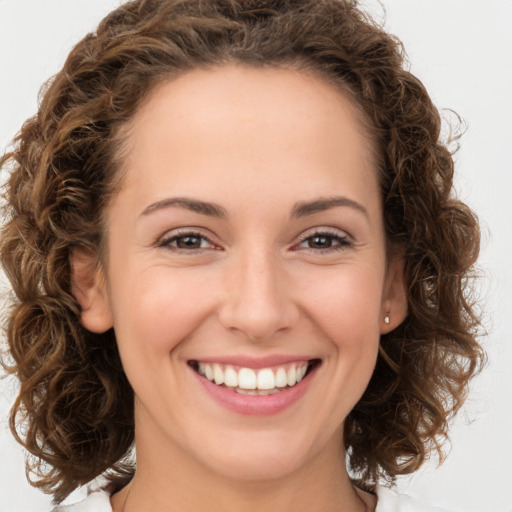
74 411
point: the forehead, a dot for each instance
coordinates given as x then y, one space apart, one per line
250 125
277 96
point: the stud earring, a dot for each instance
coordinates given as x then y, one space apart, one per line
387 319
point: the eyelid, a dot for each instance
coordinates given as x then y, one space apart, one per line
343 237
340 234
171 235
324 230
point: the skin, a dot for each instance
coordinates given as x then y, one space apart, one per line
256 143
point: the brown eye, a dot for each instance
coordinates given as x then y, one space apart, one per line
186 242
320 242
325 242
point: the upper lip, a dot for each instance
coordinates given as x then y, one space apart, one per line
254 362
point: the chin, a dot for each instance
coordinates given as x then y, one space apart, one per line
260 457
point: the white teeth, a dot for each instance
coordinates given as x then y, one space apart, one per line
247 379
291 375
281 379
264 381
231 377
300 373
218 375
255 392
252 392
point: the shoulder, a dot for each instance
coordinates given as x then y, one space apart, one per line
390 501
97 500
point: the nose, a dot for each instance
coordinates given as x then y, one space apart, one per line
258 300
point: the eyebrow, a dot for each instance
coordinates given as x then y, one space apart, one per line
300 209
305 208
210 209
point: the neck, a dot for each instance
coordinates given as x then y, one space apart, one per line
240 496
171 490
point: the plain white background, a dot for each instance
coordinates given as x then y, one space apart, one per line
461 51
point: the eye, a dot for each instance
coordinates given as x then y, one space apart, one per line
324 241
186 241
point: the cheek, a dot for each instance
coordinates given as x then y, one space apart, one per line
344 311
347 304
159 309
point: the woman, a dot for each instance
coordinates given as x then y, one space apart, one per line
233 242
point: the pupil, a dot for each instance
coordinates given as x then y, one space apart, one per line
320 242
189 242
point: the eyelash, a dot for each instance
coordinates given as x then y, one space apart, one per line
343 241
167 241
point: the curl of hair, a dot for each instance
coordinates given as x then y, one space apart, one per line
74 412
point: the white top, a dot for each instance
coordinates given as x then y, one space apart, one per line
387 501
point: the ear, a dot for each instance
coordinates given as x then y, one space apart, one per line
88 286
394 301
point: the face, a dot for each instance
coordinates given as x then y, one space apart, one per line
246 276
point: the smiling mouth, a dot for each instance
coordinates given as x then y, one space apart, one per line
261 381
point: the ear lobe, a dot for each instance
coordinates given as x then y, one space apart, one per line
89 289
394 304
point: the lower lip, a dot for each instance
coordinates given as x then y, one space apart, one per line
256 405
